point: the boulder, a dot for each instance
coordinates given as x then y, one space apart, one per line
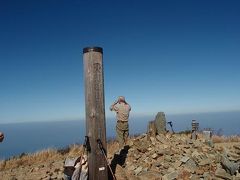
229 166
221 173
138 170
160 122
170 176
152 130
184 159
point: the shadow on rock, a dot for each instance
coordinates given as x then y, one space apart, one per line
119 159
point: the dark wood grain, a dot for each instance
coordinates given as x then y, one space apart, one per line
95 113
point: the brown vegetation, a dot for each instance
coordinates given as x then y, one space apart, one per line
50 162
28 160
47 155
225 139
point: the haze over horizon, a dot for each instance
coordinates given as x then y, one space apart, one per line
177 57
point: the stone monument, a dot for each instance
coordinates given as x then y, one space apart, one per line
160 122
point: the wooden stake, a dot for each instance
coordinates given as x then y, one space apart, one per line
95 111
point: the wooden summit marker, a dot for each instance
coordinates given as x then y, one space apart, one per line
95 111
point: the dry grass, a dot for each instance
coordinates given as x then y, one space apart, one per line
48 155
225 139
27 160
76 150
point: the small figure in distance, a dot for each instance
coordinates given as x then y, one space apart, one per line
1 137
122 109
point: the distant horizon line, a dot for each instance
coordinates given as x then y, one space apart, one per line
112 116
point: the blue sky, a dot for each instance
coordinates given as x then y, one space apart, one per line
171 56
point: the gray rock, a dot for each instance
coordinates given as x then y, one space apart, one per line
130 143
184 159
206 175
153 140
41 166
146 160
233 156
54 176
168 158
237 151
31 170
161 138
60 177
138 170
165 165
156 164
196 154
229 166
221 173
150 175
238 175
161 152
13 178
177 164
194 177
142 147
170 169
160 121
204 162
137 156
152 130
237 146
56 170
170 176
191 165
155 155
131 168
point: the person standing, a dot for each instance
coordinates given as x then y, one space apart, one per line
1 136
122 109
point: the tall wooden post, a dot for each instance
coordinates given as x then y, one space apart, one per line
95 111
195 126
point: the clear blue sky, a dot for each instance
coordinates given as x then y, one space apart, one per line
171 56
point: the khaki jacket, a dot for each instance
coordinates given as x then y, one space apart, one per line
122 111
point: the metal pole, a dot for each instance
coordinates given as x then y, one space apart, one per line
95 111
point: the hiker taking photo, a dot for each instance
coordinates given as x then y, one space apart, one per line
122 109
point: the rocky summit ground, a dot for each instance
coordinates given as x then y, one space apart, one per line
166 157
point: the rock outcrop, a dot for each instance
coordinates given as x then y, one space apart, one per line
163 157
174 156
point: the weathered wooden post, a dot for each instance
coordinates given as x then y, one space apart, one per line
195 126
95 111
